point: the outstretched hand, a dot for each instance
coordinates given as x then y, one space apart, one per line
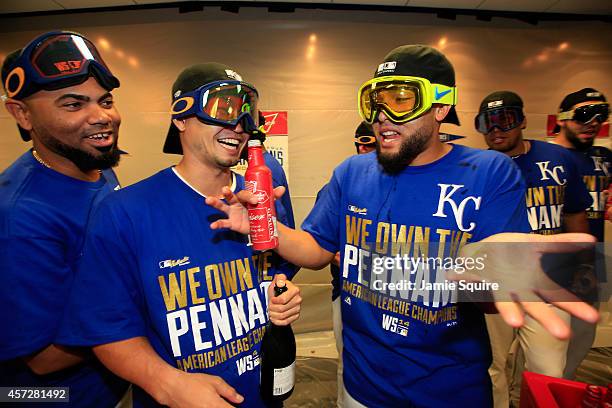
525 287
234 206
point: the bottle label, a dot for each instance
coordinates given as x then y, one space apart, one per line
284 379
262 220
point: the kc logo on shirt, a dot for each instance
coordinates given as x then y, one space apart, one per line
546 172
446 197
600 164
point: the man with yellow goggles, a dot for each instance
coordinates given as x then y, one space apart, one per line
402 98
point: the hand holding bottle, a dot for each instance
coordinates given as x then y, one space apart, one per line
234 206
284 309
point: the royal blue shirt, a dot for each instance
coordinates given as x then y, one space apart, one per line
595 165
413 347
554 186
153 267
43 216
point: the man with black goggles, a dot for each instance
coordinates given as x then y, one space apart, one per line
58 90
579 121
545 168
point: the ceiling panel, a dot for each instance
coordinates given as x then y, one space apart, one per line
582 7
77 4
378 3
552 6
457 4
12 6
154 1
517 5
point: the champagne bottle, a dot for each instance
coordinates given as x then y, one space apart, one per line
277 360
262 216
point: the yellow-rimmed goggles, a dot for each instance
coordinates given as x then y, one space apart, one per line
401 98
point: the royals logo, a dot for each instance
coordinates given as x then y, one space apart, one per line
554 173
446 196
600 164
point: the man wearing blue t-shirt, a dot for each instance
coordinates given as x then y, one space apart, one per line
556 200
166 302
58 89
406 344
581 115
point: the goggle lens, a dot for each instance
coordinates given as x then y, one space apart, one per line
503 118
227 102
397 100
64 55
587 113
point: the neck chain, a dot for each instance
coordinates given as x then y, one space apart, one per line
526 148
39 159
47 165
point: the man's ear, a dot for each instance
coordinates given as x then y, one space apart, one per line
19 110
560 123
180 124
524 124
440 112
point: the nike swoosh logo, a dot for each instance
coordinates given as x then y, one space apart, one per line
441 94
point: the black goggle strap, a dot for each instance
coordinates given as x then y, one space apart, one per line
249 126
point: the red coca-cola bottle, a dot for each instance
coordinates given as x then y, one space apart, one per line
262 217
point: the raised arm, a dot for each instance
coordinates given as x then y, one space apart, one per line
297 247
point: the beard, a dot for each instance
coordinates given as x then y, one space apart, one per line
578 143
409 150
85 161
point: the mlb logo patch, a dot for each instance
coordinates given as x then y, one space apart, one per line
233 74
494 104
387 66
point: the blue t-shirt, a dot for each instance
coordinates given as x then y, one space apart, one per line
414 347
43 215
333 269
554 186
284 210
595 166
152 267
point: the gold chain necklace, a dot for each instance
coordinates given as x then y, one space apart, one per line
39 159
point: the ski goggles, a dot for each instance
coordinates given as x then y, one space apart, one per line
401 98
222 103
505 119
56 60
585 114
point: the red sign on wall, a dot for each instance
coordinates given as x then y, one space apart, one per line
552 122
276 123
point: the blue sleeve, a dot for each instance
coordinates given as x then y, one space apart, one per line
34 283
323 221
503 207
105 304
577 197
